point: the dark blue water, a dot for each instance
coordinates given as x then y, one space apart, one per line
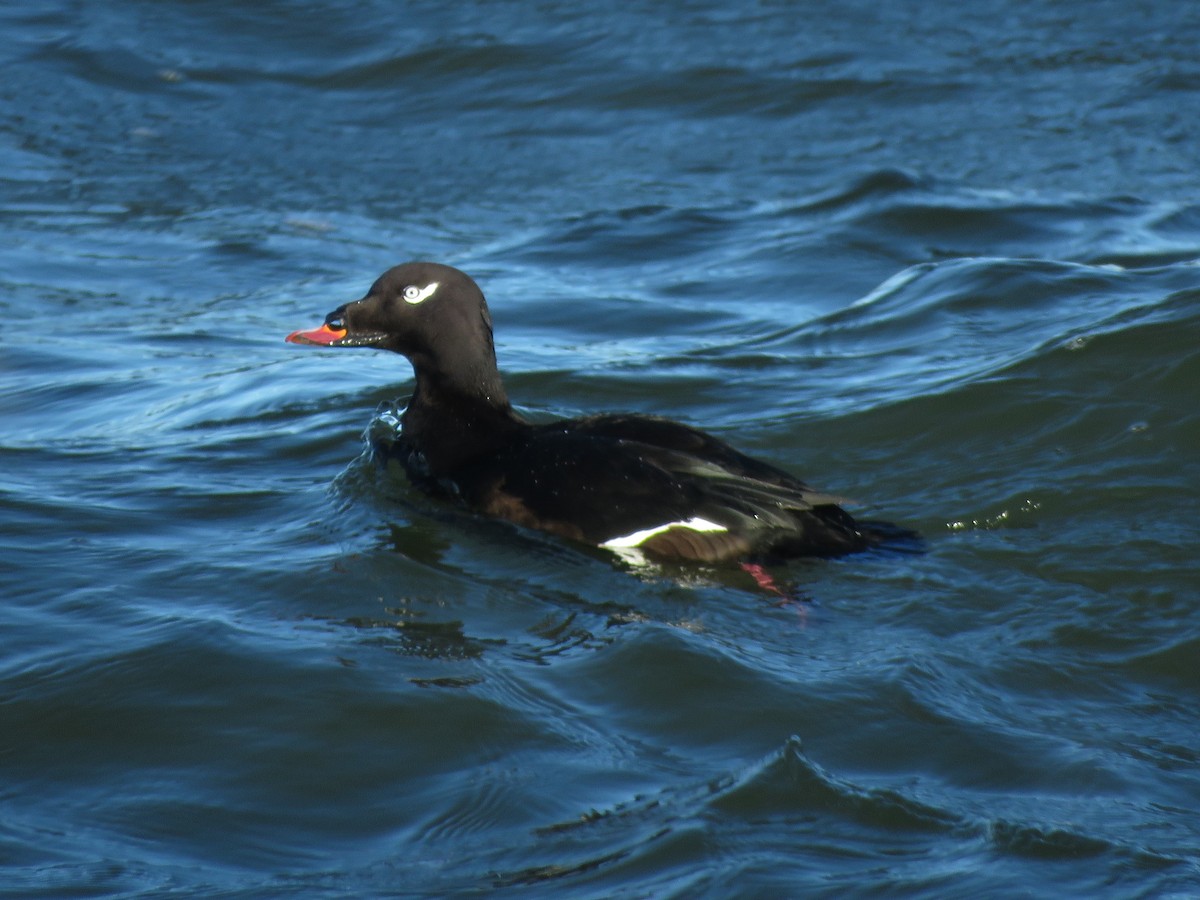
942 260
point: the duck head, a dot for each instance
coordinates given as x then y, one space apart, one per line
419 309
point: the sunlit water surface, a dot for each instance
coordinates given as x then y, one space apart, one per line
943 263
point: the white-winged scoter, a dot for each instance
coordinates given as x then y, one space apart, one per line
622 482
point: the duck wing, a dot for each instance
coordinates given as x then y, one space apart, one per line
648 484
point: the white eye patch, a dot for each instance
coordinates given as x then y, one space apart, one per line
415 295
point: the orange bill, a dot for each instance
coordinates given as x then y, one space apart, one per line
321 336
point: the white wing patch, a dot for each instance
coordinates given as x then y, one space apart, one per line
415 295
640 537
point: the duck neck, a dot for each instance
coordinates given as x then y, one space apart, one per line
451 420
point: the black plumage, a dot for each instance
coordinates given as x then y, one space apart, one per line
631 483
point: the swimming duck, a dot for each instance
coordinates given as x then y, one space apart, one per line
632 484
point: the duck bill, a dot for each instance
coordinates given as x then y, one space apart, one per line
322 337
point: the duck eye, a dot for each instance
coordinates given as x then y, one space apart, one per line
413 294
